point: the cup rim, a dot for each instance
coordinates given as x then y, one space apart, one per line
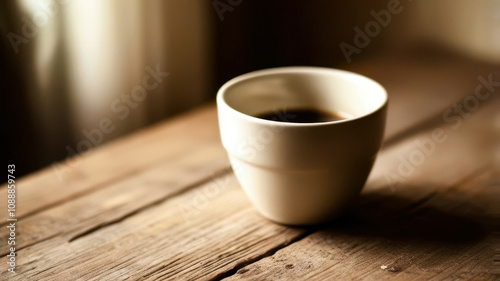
296 69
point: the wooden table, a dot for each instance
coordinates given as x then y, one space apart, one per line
163 203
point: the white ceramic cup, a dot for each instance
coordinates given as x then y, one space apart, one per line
301 173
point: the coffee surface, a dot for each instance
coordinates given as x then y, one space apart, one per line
302 115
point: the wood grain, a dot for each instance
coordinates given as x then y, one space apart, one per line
109 205
211 230
441 223
449 236
156 183
113 162
163 241
161 146
418 92
162 204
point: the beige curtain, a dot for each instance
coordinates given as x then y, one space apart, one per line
128 62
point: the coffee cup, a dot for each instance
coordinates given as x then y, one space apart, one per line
307 172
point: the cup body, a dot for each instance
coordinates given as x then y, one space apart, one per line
301 173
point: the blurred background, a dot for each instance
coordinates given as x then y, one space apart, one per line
68 65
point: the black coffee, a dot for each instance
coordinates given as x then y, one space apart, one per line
302 115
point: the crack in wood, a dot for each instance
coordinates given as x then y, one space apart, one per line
270 252
218 174
83 192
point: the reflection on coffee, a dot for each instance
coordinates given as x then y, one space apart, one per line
302 115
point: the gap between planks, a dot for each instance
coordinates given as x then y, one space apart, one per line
84 232
258 273
238 261
185 190
406 210
87 191
218 174
399 137
270 252
468 179
461 68
394 139
113 160
308 232
193 168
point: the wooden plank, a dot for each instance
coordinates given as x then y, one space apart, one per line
430 227
112 162
448 237
158 238
203 133
108 205
71 223
212 230
119 159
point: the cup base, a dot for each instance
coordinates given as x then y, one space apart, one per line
299 197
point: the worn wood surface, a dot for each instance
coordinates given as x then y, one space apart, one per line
110 163
163 204
446 236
